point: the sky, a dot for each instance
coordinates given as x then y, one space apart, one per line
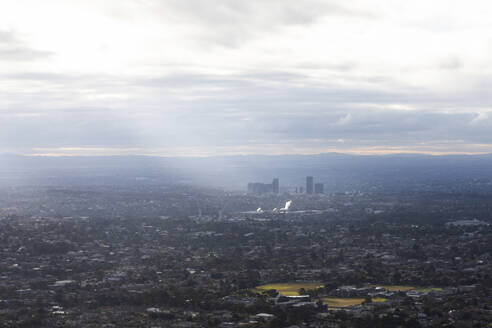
218 77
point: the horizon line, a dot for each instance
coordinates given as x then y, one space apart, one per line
348 153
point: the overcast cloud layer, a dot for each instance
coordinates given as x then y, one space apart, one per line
204 77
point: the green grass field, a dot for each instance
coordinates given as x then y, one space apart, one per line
396 288
428 289
341 302
292 289
344 302
288 289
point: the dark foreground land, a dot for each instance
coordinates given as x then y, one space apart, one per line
179 257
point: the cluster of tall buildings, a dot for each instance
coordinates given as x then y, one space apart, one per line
259 188
311 187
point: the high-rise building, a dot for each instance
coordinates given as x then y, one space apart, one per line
309 185
259 188
275 186
319 188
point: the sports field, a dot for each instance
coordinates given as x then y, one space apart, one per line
289 289
396 288
428 289
292 289
344 302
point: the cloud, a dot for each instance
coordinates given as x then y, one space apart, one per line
344 120
451 63
228 75
480 118
12 48
229 23
200 111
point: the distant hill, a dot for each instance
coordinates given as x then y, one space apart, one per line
338 171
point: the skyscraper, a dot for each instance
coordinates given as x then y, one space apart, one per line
275 186
318 188
309 185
